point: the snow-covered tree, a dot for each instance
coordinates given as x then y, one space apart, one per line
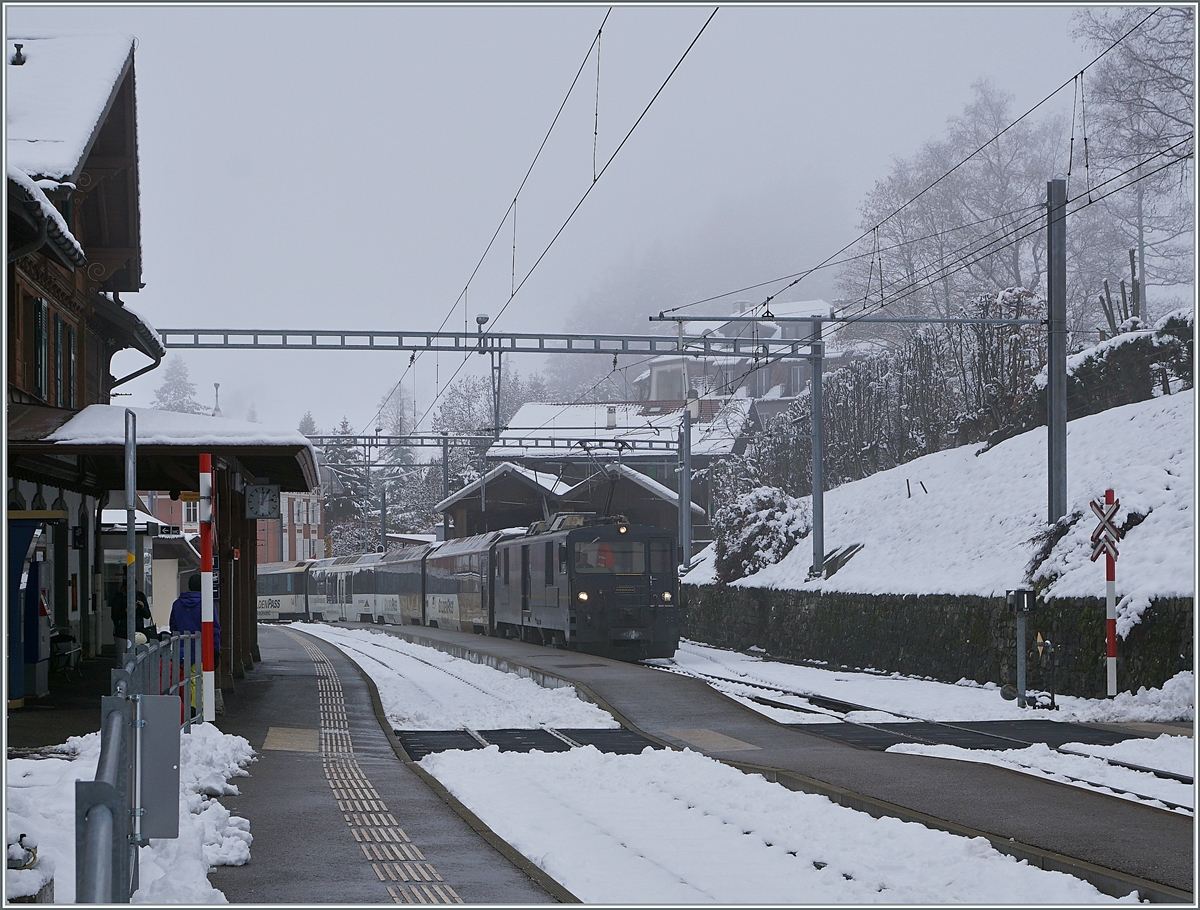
177 393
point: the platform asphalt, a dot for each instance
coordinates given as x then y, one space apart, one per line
1116 844
336 815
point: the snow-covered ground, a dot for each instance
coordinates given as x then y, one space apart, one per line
972 521
659 827
678 827
897 699
40 802
426 689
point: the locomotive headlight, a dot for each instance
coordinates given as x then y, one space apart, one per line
622 529
583 595
666 597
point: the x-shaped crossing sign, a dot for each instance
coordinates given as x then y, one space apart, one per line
1106 535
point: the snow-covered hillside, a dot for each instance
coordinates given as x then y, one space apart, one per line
972 523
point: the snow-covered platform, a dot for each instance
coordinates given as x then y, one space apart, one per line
1117 845
336 816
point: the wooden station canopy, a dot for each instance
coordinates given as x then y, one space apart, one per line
85 450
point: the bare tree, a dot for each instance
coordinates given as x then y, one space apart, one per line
1140 101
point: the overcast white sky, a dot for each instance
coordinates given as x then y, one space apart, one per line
333 167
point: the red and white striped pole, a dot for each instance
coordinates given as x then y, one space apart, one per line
1110 591
206 589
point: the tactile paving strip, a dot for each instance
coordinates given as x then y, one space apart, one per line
397 862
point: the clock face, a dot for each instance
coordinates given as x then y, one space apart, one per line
262 500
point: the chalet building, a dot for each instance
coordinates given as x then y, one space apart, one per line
510 495
774 386
73 248
729 398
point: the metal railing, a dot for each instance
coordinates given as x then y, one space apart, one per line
109 809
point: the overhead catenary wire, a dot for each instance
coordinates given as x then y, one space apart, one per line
949 172
511 207
900 290
893 214
903 291
586 192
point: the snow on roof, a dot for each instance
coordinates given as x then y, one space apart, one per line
635 421
102 424
49 212
56 99
145 337
151 330
549 483
973 523
646 483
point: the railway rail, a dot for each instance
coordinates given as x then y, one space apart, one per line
838 709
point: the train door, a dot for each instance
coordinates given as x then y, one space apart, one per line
526 582
345 593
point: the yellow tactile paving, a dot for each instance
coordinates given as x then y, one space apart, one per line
393 857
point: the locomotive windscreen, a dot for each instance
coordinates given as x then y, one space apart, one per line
620 557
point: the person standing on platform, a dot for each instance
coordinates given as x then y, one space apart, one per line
185 616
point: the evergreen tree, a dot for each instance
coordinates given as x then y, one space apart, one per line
177 393
308 426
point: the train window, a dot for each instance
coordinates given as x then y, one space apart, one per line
620 557
660 555
549 563
506 567
562 557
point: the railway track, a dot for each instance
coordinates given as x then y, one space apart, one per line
838 709
544 737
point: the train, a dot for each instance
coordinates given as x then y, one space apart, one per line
580 581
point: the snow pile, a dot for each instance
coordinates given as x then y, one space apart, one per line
1167 753
40 800
1174 701
1039 760
977 528
678 827
27 872
422 688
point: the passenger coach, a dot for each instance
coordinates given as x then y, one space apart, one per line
596 584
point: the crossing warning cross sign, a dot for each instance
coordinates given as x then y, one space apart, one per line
1106 535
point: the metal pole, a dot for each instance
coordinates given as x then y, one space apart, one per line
1110 597
445 483
130 532
1020 655
207 664
1056 364
685 487
496 377
382 516
818 455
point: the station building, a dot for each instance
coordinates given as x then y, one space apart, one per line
73 248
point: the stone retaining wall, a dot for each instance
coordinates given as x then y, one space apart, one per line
945 637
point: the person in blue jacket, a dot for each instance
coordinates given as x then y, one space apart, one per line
185 616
